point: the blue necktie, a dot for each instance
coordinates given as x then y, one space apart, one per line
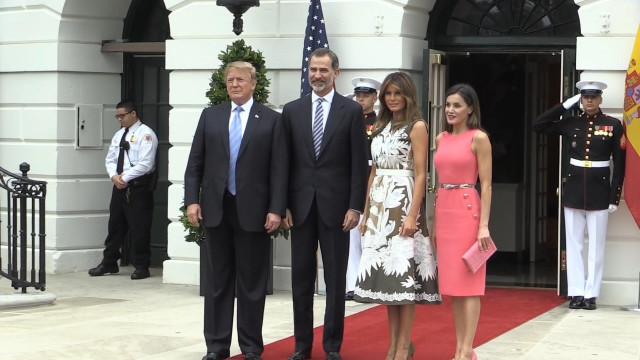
235 138
317 127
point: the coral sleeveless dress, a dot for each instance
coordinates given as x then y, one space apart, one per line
457 212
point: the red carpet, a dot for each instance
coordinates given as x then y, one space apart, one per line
366 333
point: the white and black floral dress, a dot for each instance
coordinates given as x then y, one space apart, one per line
395 269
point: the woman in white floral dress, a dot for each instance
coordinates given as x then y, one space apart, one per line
397 267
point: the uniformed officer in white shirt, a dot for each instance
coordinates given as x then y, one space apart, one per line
366 94
130 163
592 189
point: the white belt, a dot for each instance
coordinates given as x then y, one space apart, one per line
394 172
589 163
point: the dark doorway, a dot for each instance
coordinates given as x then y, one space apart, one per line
145 80
513 88
151 84
520 57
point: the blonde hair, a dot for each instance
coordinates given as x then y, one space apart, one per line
241 65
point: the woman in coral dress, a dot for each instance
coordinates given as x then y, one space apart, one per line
397 267
463 154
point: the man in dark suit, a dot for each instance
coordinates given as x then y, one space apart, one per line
327 184
235 185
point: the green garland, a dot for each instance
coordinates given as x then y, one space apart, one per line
194 233
217 94
239 51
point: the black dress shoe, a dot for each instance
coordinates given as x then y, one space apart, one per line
252 356
577 302
590 304
104 269
140 274
216 356
348 295
333 355
300 355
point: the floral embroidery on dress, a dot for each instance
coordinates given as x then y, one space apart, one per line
395 268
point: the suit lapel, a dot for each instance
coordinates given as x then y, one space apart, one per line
333 120
224 114
252 123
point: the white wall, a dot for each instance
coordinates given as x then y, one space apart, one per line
609 28
50 60
388 36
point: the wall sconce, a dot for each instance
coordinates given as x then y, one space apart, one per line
237 8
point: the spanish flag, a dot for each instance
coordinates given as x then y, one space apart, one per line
632 129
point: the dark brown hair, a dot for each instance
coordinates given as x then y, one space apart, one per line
469 96
410 113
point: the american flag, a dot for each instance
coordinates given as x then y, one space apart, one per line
315 37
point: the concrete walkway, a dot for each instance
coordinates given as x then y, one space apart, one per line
113 317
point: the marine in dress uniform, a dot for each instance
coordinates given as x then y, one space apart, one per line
366 94
592 190
130 163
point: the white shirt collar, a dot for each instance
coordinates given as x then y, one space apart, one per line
135 126
328 98
246 107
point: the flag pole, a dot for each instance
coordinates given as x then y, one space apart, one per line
631 122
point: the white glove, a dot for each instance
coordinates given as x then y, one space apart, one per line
612 208
568 104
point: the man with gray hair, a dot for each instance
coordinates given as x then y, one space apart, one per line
235 186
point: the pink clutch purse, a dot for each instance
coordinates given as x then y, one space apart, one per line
474 258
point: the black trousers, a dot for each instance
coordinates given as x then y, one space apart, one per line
236 262
131 214
334 245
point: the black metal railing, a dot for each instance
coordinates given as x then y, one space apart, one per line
24 212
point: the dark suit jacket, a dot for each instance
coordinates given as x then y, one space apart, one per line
338 179
588 188
261 168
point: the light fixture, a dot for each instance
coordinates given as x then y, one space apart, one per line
237 8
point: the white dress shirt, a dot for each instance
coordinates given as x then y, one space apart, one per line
139 159
244 114
326 105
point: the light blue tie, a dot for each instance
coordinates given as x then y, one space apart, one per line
235 138
317 127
